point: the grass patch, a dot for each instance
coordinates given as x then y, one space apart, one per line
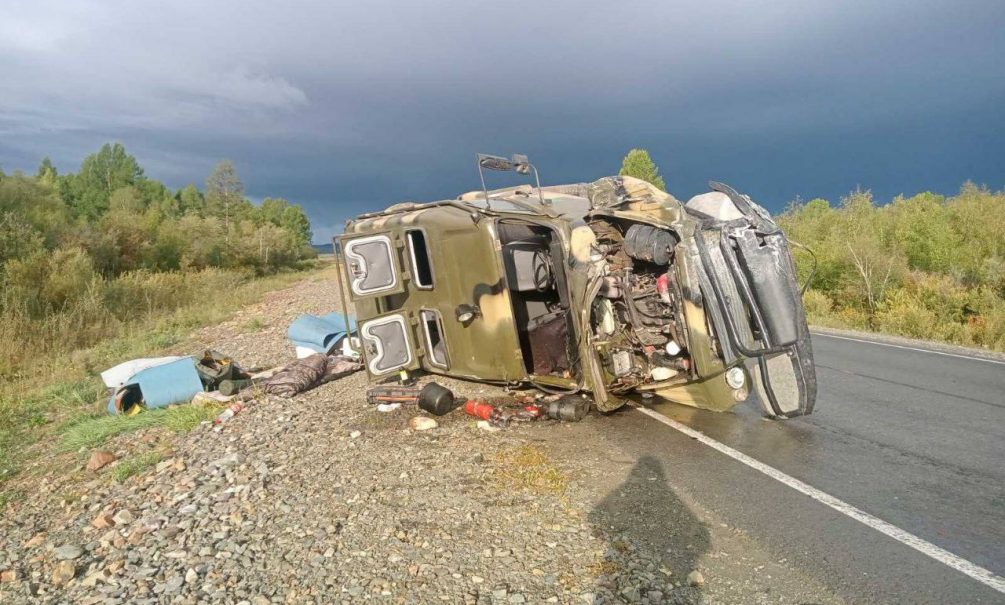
184 418
131 466
20 417
527 467
255 324
93 431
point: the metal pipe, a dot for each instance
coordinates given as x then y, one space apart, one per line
339 260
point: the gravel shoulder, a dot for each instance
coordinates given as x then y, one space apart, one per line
322 499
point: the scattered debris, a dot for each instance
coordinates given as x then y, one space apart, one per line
8 575
228 413
387 407
215 367
486 411
355 434
151 383
311 334
392 393
310 372
422 423
569 408
215 398
100 459
438 400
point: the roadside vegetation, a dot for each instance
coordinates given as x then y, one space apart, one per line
83 255
106 264
927 266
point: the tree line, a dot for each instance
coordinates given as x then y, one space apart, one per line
82 252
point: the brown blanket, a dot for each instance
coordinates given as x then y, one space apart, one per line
310 372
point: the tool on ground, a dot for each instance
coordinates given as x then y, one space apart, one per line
392 393
433 398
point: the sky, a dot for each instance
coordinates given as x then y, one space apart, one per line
349 107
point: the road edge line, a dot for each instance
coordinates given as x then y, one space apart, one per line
919 349
941 555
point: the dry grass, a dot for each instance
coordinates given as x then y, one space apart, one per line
57 401
255 324
528 467
603 568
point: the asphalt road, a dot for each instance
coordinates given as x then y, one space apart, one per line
912 437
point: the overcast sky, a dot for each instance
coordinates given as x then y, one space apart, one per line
346 107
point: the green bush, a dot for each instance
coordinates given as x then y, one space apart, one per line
925 267
82 256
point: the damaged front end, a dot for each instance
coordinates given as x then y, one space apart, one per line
748 281
697 303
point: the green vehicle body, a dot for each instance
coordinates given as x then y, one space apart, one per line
613 287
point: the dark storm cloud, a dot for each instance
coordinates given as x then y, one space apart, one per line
344 107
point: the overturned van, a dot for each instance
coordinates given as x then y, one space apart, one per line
612 287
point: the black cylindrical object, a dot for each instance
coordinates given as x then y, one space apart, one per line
571 409
649 243
233 387
437 400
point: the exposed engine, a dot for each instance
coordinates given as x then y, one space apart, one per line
636 317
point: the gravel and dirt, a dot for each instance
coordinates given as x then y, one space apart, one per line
322 499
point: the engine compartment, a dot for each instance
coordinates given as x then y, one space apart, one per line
636 318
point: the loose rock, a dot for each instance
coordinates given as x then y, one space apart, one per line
103 521
68 552
422 423
123 517
100 459
63 573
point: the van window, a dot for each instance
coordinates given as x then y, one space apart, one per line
434 338
421 267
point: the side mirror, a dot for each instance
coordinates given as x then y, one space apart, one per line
519 164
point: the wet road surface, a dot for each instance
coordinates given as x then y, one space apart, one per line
912 437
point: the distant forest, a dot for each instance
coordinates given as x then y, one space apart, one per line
926 266
82 253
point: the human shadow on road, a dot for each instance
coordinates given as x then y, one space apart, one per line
649 532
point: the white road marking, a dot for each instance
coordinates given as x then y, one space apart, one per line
886 344
927 548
